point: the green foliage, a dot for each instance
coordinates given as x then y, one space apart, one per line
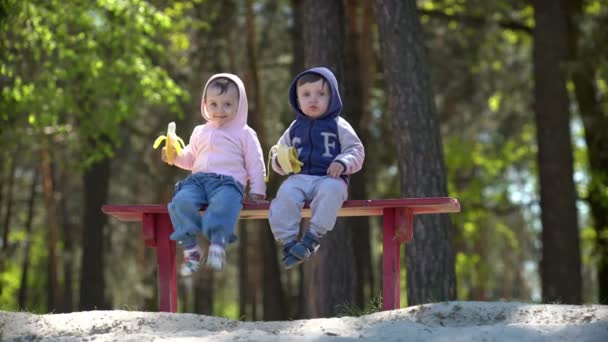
228 309
89 65
10 286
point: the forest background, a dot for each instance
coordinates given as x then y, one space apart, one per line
500 104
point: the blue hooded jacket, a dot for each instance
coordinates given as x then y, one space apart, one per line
316 139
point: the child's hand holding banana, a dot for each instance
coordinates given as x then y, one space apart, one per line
173 144
287 158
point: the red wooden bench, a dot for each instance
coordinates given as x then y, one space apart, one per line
398 227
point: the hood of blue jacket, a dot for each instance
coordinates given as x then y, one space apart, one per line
335 104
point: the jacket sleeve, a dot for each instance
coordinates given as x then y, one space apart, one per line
186 159
283 140
254 163
353 152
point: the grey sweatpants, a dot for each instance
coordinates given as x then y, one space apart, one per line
325 195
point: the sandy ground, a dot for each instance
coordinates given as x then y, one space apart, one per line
449 321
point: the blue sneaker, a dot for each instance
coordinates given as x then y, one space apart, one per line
289 260
306 248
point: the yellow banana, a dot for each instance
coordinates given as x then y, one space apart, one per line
287 157
173 143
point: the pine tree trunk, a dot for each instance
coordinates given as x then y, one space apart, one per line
561 259
243 271
596 127
68 246
271 291
430 257
275 307
330 277
297 37
359 68
22 297
203 292
51 211
92 281
295 279
8 213
202 57
595 122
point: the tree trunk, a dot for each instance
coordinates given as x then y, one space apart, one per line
359 68
92 280
203 294
271 290
243 271
203 58
596 127
8 212
330 277
595 122
250 271
68 246
323 44
3 179
430 257
295 280
49 201
252 81
22 298
561 259
480 282
297 37
275 308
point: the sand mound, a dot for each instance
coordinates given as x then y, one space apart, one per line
449 321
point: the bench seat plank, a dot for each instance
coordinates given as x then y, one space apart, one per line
250 210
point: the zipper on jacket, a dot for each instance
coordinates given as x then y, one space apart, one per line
312 122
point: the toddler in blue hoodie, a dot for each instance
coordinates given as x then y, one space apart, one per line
329 150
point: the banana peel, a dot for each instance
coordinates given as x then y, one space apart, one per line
287 157
173 143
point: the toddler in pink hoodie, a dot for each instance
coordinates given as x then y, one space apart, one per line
224 154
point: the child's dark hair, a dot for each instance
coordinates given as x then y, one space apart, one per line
222 83
310 78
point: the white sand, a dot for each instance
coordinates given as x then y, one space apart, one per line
449 321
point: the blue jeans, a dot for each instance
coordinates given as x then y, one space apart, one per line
222 195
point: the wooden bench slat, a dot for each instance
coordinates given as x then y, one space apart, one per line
251 210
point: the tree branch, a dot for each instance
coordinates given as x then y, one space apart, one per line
477 21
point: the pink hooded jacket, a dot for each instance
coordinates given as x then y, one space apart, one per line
232 149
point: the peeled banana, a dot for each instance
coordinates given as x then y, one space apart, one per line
287 157
173 143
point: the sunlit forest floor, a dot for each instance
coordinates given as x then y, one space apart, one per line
448 321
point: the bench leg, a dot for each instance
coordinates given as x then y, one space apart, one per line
165 258
404 218
391 270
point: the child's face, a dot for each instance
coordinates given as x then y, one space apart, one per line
313 98
222 108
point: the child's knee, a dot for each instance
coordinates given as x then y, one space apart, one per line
181 204
284 193
334 188
273 218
